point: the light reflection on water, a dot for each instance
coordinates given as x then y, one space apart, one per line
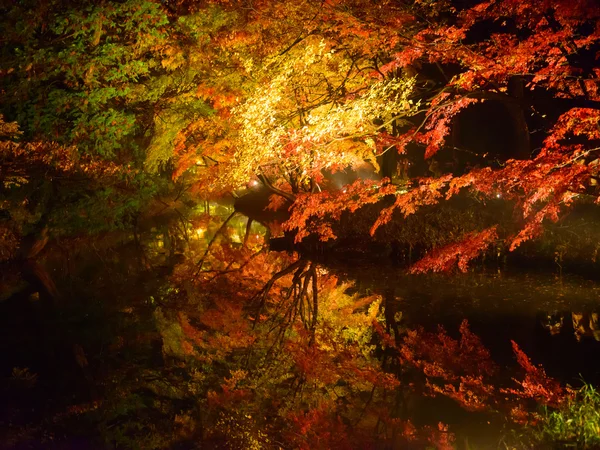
554 318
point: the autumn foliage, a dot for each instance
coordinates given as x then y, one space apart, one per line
282 372
289 94
350 82
113 113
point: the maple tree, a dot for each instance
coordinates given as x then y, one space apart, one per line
307 105
108 85
289 93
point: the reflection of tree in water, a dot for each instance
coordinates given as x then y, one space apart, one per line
284 352
585 324
300 299
260 348
288 349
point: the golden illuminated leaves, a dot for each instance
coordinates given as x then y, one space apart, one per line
306 104
314 112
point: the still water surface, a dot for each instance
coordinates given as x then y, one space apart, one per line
554 319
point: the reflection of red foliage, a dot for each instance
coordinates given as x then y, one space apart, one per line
441 439
441 356
463 370
455 368
319 428
386 338
228 397
473 394
536 385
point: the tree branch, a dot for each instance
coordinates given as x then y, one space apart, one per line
290 197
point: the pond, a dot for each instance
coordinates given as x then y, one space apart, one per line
553 317
145 347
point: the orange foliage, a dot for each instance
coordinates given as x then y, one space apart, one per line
537 385
463 371
536 43
444 258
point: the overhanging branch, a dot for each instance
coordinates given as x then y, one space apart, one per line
288 196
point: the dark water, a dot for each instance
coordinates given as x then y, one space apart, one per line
554 319
60 352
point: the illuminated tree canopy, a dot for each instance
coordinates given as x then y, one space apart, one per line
347 84
290 93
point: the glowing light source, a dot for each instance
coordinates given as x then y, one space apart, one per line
200 232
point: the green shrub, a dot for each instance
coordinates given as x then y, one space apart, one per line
576 424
